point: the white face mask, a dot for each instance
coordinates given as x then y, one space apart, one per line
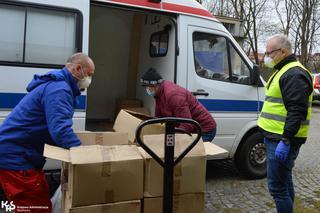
269 62
85 82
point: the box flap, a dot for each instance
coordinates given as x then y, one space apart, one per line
102 138
127 124
99 154
142 110
139 114
182 141
56 153
128 121
93 153
213 150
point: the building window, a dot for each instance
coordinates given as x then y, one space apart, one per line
230 27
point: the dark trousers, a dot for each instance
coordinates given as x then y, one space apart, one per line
279 176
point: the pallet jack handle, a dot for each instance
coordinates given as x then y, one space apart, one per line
169 161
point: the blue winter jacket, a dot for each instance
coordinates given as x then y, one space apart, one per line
44 115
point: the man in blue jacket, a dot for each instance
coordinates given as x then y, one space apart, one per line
44 115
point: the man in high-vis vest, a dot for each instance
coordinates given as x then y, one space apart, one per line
284 119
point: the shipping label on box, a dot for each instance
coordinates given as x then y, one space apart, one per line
187 203
127 122
120 207
189 174
100 174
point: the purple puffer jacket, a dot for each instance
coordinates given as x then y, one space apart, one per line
175 101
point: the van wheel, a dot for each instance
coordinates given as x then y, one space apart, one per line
251 158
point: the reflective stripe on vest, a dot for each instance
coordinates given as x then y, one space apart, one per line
274 114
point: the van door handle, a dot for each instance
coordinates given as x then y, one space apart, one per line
200 92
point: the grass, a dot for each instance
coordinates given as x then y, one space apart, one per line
300 207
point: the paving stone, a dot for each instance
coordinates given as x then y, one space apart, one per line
226 191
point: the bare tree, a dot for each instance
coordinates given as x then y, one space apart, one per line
284 10
299 19
219 8
250 11
306 24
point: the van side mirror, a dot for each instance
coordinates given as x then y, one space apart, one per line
255 74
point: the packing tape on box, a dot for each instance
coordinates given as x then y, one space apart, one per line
109 196
99 138
178 170
175 204
176 186
106 165
106 169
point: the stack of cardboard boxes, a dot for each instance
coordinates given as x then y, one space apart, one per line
189 176
109 173
100 175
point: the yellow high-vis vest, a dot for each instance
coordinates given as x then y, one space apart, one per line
273 115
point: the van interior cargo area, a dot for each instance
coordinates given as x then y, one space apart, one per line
124 44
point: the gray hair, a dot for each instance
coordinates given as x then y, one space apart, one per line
282 40
79 58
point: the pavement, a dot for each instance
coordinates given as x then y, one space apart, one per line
228 192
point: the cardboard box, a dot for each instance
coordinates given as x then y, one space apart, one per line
187 203
141 110
189 174
127 122
120 207
102 138
99 174
127 103
213 151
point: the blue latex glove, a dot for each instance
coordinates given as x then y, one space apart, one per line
282 151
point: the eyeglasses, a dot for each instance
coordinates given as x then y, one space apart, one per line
269 53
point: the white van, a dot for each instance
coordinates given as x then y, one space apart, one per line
179 38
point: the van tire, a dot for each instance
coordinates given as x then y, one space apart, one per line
250 159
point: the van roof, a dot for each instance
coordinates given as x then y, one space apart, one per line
188 7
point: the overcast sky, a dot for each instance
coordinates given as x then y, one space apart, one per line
269 23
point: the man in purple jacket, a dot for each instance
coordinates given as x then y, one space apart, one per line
44 115
175 101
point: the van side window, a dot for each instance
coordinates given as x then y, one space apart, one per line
159 44
240 70
36 35
211 56
212 62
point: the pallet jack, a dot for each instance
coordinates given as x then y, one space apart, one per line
169 162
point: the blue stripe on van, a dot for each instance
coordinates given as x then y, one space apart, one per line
231 105
10 100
